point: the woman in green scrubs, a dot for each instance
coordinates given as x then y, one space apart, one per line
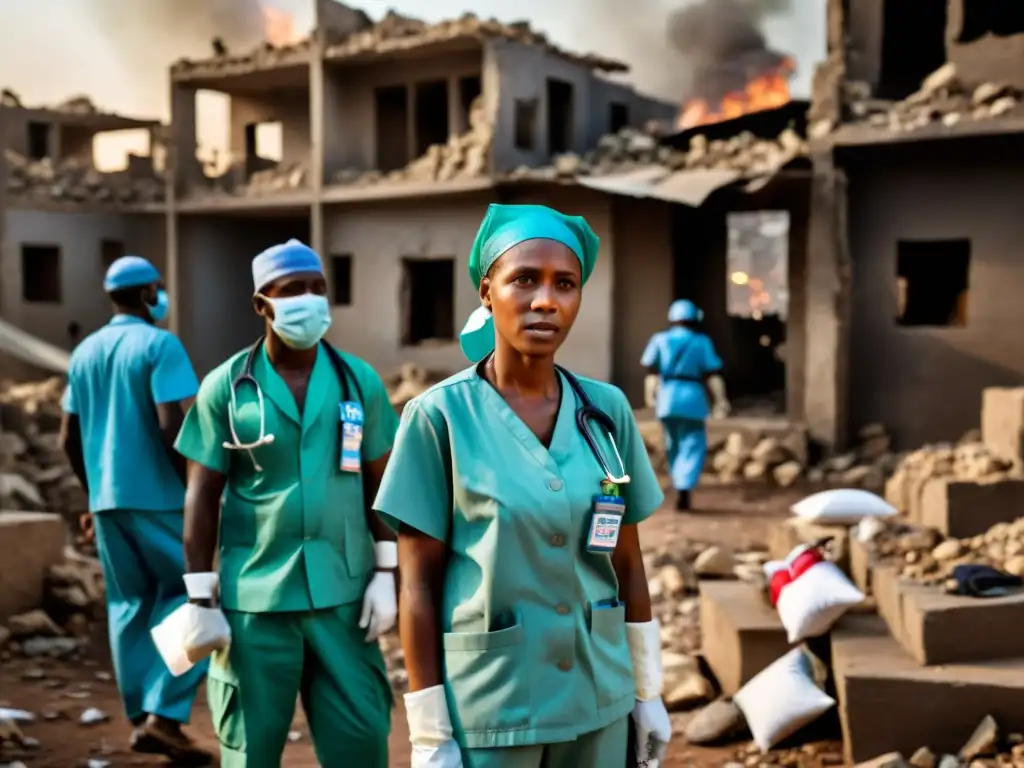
525 614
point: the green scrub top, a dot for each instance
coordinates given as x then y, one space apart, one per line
534 643
293 537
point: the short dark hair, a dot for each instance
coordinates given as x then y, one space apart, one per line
131 298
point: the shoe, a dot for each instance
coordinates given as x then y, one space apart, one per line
152 739
682 501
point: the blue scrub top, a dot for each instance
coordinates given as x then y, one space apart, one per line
117 375
681 352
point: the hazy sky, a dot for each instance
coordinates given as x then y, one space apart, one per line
54 49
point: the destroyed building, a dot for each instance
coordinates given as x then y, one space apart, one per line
914 262
62 221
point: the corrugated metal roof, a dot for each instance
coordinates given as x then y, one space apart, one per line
687 187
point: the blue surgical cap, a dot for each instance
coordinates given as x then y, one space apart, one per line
683 311
130 272
290 258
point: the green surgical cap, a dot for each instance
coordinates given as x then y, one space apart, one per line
503 228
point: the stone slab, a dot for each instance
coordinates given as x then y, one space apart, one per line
963 509
740 632
30 542
889 703
862 559
1002 422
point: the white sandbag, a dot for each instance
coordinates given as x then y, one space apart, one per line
813 595
843 506
189 635
781 699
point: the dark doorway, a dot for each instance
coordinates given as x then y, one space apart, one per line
431 115
392 129
560 116
341 279
428 300
40 274
618 117
913 45
932 279
38 140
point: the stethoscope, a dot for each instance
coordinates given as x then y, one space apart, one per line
246 377
586 413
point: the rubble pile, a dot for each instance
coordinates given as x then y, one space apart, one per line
942 98
34 473
465 156
265 56
929 558
397 32
987 746
631 149
282 177
77 181
407 382
74 599
968 460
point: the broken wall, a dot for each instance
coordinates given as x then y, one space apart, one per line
639 109
290 108
924 383
351 130
215 255
377 236
995 55
79 237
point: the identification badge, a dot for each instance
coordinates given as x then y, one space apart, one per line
605 522
350 417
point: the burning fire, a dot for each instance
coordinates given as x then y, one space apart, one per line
278 26
765 91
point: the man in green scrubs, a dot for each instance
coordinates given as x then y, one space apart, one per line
296 452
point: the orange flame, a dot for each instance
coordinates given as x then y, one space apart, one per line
278 26
765 91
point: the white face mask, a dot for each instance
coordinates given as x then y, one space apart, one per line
300 321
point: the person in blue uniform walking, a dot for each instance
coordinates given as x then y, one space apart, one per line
129 384
684 373
517 489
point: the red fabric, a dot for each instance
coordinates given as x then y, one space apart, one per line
801 563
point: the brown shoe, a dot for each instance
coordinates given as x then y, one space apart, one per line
152 739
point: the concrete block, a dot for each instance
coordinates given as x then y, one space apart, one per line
1002 422
963 508
889 703
862 559
936 628
791 533
30 542
740 632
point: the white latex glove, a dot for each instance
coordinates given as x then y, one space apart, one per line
380 603
652 383
190 634
653 727
721 407
430 729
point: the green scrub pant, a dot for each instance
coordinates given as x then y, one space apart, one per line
143 564
321 656
605 748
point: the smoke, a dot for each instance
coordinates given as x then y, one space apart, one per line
722 44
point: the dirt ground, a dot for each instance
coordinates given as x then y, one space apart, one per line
58 692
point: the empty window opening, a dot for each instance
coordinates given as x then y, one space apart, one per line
431 115
469 89
392 127
212 131
112 151
996 17
264 141
38 140
341 280
428 300
526 124
40 274
913 45
932 278
560 116
110 251
757 259
618 116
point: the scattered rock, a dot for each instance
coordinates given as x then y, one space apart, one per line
787 474
923 758
714 562
983 742
33 624
75 180
685 684
92 716
719 721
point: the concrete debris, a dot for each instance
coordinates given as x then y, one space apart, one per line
407 382
631 149
265 56
36 475
942 98
77 105
985 747
77 181
719 721
967 460
984 742
463 157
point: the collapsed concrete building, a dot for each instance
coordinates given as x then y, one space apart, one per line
914 267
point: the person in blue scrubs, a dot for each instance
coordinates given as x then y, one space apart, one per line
129 384
683 371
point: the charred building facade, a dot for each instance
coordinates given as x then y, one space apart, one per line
914 267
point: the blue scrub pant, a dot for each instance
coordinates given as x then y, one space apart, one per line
686 447
143 563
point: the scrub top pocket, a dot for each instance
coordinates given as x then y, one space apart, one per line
489 680
613 668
